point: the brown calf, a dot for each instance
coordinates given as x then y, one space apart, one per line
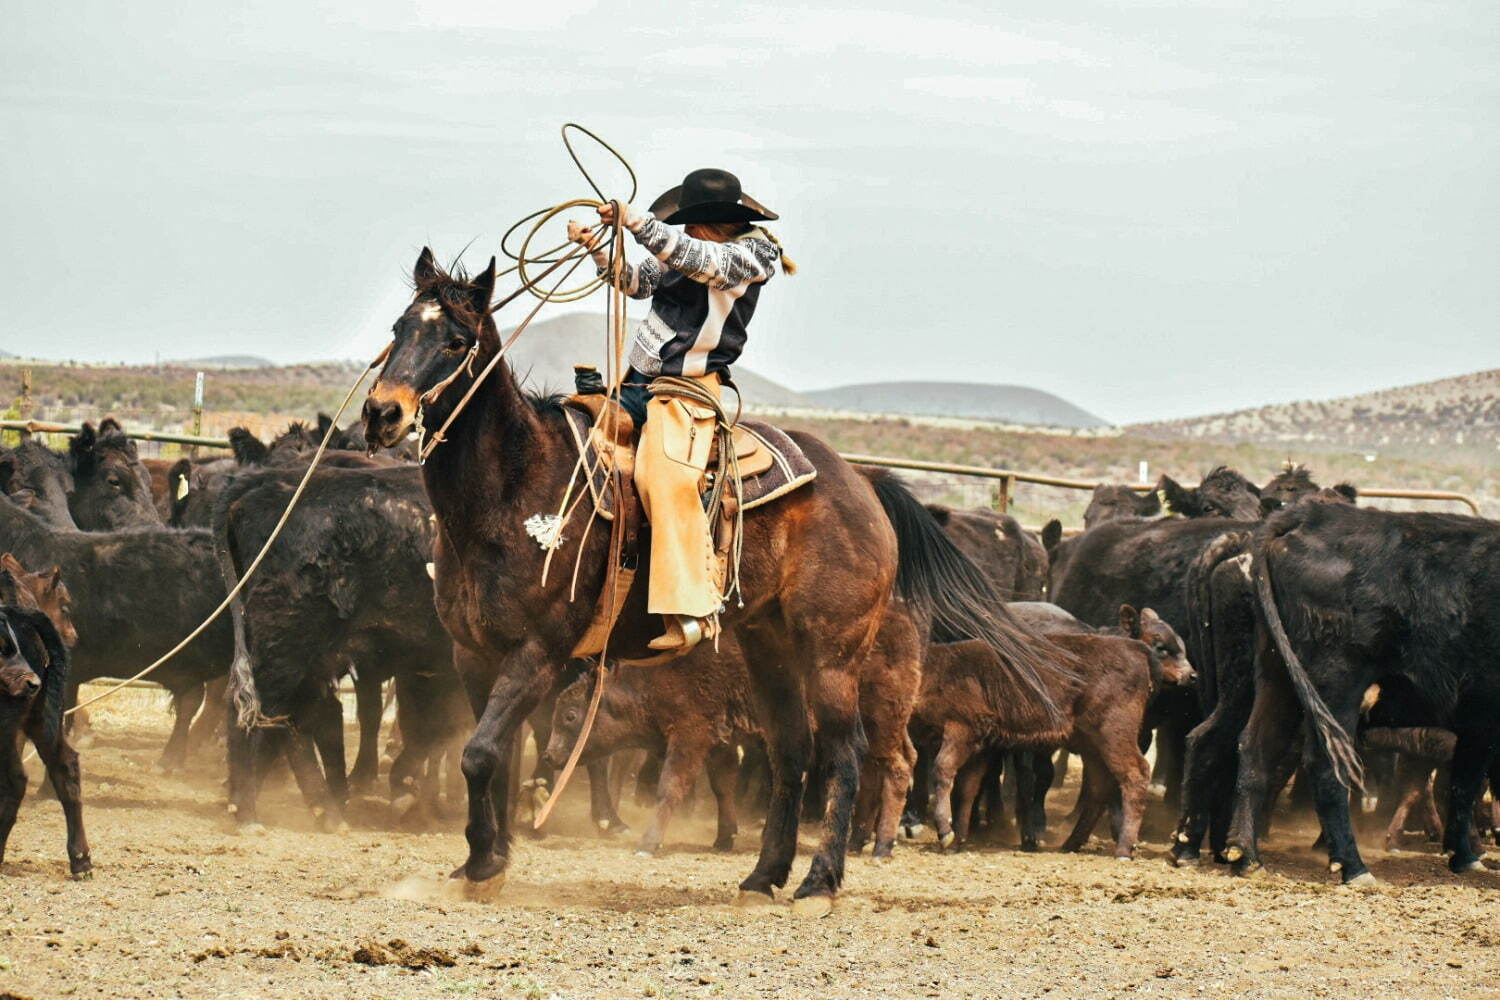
964 695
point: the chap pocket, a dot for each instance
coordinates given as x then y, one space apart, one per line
685 435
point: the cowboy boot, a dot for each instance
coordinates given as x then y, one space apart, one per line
683 633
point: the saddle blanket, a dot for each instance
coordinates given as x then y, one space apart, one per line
771 463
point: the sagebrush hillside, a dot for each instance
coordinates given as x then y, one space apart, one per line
1460 413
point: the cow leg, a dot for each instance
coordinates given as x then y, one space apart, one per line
185 705
896 780
1472 755
300 750
67 780
841 748
12 786
1092 802
1268 731
1329 795
1033 778
957 749
1410 791
971 779
680 769
1132 774
918 806
328 737
723 781
369 706
250 753
601 800
1208 776
210 721
780 705
866 805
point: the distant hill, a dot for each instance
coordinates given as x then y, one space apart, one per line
7 354
228 361
548 350
1463 411
1002 403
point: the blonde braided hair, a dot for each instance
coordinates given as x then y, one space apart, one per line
788 266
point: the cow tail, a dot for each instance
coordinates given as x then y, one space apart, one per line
1200 606
1347 767
243 696
935 575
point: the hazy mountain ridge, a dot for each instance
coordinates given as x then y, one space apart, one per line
1460 411
1001 403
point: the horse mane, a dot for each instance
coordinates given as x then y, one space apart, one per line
449 287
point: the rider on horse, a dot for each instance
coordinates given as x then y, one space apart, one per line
703 284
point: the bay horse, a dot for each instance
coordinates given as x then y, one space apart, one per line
818 570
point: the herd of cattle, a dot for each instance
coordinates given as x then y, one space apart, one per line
1260 637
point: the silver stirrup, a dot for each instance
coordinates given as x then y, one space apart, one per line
692 631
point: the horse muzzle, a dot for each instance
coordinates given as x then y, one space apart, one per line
389 415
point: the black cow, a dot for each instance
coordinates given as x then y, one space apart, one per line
37 479
344 589
1347 597
136 594
33 681
1221 493
1112 502
111 487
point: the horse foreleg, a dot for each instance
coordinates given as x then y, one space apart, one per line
487 764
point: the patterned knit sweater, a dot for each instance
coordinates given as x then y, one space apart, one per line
702 297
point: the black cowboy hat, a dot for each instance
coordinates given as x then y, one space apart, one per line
709 196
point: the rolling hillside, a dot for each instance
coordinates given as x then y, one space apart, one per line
1016 404
1460 413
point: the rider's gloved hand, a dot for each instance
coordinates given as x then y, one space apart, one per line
629 217
584 235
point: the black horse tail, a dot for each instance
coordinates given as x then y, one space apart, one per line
934 575
1202 612
1347 767
242 693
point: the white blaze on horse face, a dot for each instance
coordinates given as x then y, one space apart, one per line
430 311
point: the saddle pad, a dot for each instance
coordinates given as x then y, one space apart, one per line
789 469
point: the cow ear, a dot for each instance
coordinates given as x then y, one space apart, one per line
81 449
7 469
10 562
248 449
1178 499
1051 534
1130 621
939 513
484 287
426 270
1348 491
1148 504
110 425
54 577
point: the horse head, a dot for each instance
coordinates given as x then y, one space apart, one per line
436 344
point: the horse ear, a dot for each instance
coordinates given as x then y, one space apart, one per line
426 269
484 287
1130 621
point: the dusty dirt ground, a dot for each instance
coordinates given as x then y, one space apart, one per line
180 906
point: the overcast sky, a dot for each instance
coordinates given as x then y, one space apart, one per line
1153 209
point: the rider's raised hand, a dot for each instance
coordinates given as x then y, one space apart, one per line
629 217
581 234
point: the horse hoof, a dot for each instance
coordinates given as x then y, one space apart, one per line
1233 854
913 831
947 839
461 887
87 875
1473 866
1363 880
724 846
812 907
750 898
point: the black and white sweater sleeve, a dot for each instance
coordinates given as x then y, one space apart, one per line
717 265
